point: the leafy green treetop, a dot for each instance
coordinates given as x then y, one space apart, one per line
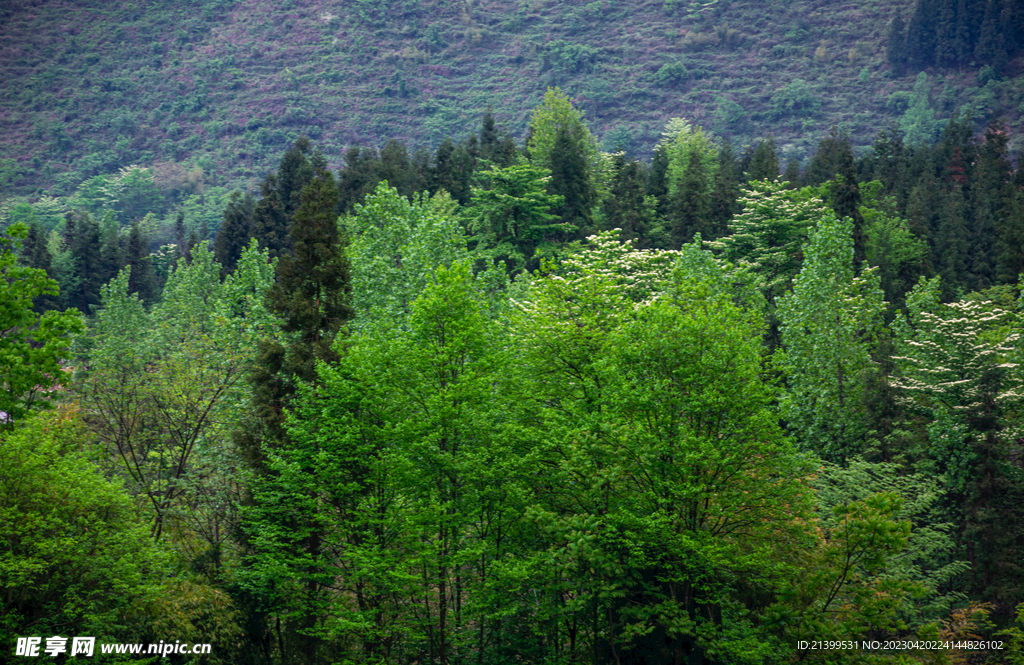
33 345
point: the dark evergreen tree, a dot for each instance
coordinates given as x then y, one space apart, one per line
624 208
792 174
179 236
952 243
727 188
945 34
311 298
990 49
657 182
570 178
111 252
358 178
921 35
896 45
395 167
141 280
489 140
1010 239
293 173
764 162
962 45
441 173
235 230
82 235
35 254
269 219
691 206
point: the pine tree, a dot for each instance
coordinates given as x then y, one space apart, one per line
896 45
989 47
359 177
396 169
951 242
962 47
1010 240
235 231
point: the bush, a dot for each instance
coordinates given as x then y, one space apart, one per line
672 73
796 99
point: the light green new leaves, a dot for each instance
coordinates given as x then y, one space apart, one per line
395 248
31 346
682 142
828 324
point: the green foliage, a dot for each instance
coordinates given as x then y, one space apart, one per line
75 562
829 323
554 114
918 122
33 345
796 99
511 216
672 73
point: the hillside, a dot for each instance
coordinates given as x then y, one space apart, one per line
90 87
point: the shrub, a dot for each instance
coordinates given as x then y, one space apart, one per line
796 99
672 73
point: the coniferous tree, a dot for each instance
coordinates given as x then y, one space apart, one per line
311 298
489 141
657 182
269 219
951 243
990 48
921 35
83 240
792 174
235 231
625 207
35 254
1010 240
358 178
945 34
179 236
571 179
293 173
141 280
896 45
396 169
764 162
691 205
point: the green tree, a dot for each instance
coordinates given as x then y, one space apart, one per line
33 345
828 327
235 230
572 181
141 279
896 45
511 216
76 562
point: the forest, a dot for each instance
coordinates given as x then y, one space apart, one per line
528 402
293 374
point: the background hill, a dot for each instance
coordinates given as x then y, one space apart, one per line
91 87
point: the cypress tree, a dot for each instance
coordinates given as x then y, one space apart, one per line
358 178
235 231
989 47
35 254
179 236
691 205
945 34
83 240
489 141
896 45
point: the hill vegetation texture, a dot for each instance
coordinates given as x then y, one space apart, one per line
90 87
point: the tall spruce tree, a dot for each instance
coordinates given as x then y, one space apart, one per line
764 161
269 218
625 207
82 236
35 254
